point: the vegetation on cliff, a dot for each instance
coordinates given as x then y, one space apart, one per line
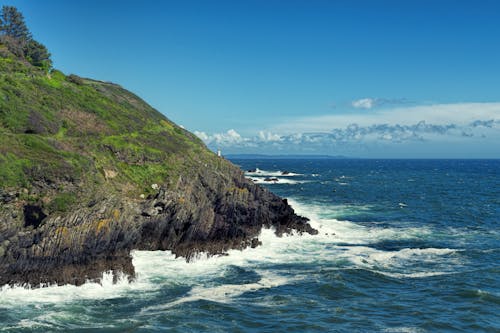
15 35
89 171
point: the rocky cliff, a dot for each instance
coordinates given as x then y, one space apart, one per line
89 172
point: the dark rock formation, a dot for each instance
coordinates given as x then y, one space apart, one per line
271 179
208 212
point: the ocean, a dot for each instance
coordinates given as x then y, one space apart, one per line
403 246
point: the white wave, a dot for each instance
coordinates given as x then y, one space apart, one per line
351 242
350 232
415 275
268 173
337 240
405 263
151 264
30 324
223 293
404 329
106 289
362 255
155 269
481 293
262 180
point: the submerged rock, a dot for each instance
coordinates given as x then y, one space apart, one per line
271 179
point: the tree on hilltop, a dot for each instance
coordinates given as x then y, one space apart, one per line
13 24
15 35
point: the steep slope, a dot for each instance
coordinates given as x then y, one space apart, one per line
89 171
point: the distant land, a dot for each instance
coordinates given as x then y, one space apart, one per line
283 157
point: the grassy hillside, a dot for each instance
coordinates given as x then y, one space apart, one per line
64 137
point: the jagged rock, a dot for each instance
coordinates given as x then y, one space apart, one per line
255 242
6 197
80 245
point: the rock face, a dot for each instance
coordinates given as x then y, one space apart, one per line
209 213
89 172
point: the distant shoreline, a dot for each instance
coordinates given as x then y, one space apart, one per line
340 157
285 157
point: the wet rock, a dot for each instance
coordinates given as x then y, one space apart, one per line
271 179
255 242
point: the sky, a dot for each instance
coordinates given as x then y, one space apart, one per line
375 79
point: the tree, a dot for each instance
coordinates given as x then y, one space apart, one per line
16 36
13 24
37 54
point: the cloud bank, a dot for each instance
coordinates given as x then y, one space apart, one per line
445 124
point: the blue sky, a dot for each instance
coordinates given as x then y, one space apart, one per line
357 78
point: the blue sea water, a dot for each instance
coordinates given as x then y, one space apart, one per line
403 246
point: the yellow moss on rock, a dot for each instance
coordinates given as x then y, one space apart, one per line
62 231
101 225
239 191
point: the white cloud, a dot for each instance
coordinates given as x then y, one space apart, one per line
368 103
202 135
230 137
439 114
268 136
364 103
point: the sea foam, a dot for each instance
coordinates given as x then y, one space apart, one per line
337 240
269 173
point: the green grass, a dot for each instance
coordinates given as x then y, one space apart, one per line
13 170
62 130
62 202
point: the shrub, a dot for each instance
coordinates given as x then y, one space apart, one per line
62 202
75 79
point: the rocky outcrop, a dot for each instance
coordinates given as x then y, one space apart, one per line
208 212
89 172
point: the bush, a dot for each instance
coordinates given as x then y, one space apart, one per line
75 79
37 54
